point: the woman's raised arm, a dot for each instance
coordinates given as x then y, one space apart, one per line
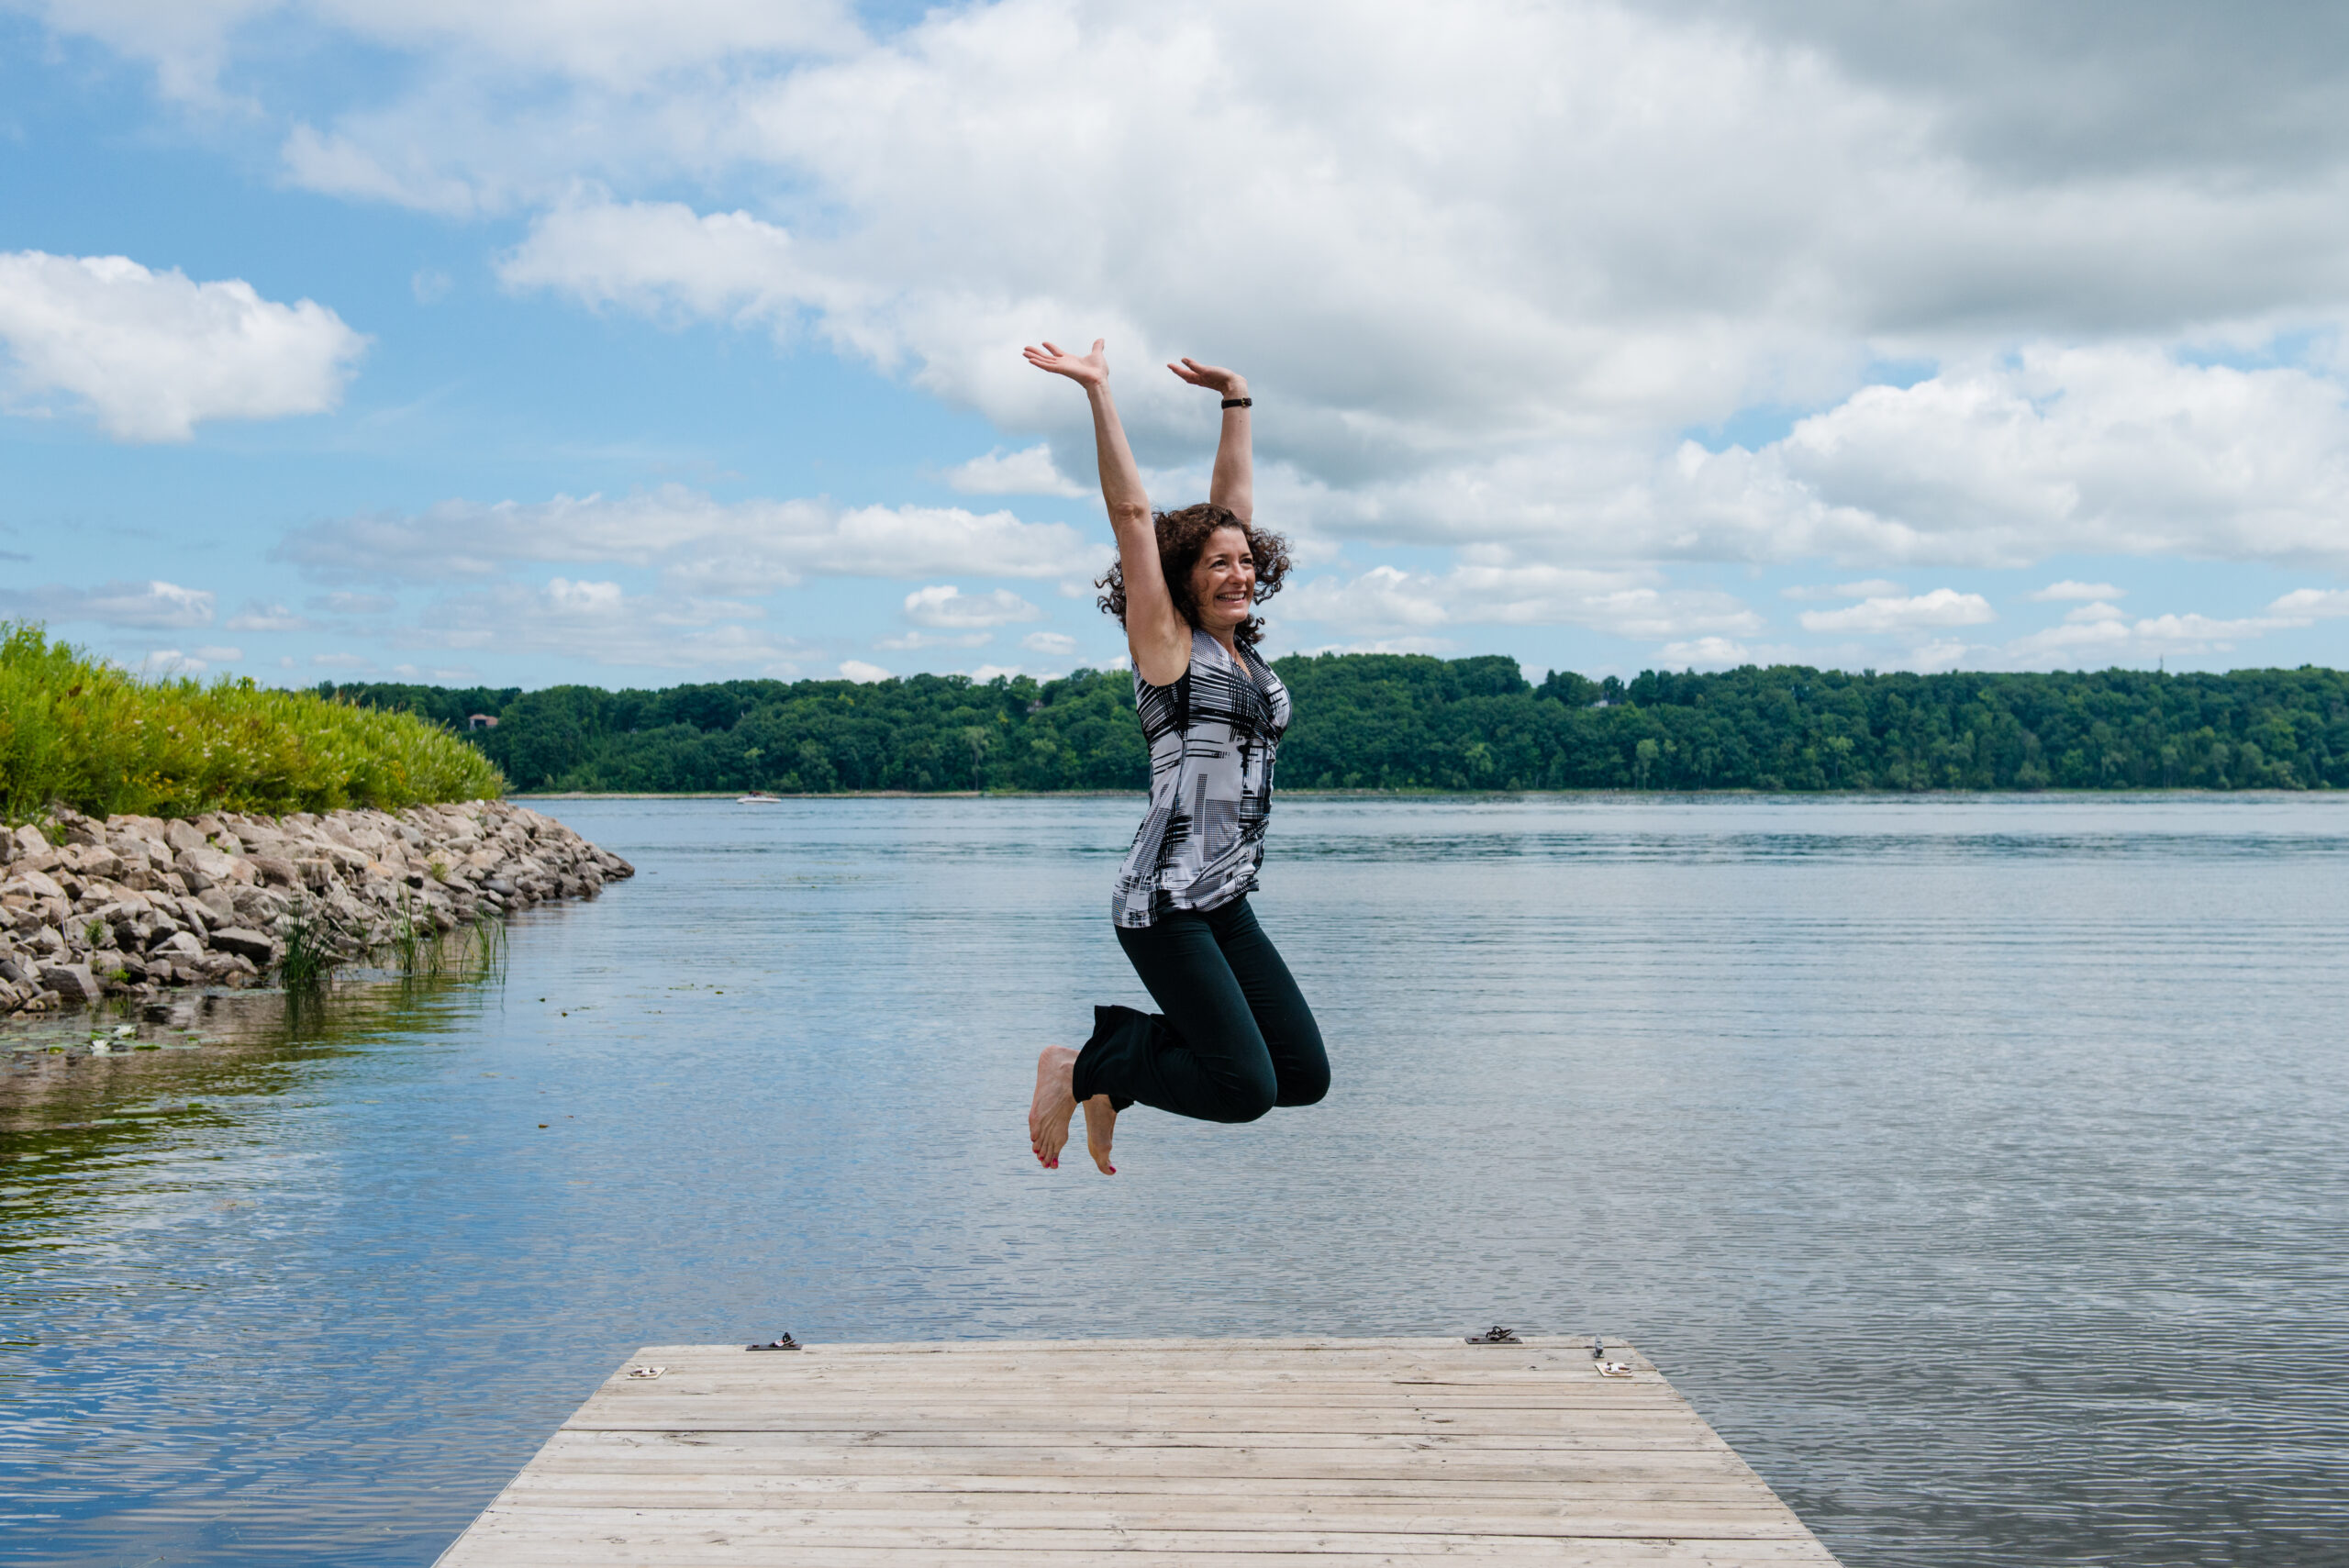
1156 633
1233 487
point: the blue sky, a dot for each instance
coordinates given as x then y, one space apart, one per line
646 344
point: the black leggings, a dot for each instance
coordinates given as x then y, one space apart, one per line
1236 1038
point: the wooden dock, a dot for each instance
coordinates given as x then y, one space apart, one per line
1146 1453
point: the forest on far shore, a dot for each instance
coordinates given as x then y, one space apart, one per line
1409 722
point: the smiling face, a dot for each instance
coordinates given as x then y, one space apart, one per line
1223 583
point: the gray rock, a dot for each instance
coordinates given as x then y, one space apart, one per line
41 884
182 836
74 982
205 868
244 943
96 861
180 947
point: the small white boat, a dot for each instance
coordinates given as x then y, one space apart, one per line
755 799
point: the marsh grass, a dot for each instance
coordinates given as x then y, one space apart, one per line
102 739
473 953
417 948
309 959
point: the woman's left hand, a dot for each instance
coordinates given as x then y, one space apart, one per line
1215 378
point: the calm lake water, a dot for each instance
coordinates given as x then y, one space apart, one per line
1976 1166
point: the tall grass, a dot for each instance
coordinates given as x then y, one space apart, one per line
309 956
101 739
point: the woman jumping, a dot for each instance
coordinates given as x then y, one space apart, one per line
1236 1038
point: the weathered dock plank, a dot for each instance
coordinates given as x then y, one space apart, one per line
1159 1454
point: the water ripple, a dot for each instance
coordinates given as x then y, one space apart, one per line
1973 1165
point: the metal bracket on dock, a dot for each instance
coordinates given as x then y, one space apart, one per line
1496 1335
785 1344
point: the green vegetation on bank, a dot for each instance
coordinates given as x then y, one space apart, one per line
101 740
1391 721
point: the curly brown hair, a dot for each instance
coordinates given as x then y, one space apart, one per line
1182 537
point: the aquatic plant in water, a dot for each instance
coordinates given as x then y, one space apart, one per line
310 956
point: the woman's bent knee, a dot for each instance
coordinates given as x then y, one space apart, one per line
1304 1089
1251 1098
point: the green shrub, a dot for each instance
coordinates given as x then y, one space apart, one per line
101 739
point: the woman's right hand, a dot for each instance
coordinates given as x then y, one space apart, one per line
1086 370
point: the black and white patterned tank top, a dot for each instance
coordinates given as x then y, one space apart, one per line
1212 735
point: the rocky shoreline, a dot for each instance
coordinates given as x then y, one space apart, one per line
131 905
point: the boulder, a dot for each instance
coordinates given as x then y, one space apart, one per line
94 860
183 837
244 943
39 883
205 868
180 947
74 982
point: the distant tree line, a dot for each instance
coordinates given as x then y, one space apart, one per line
1399 721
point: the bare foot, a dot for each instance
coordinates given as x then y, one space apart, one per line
1055 1102
1100 1123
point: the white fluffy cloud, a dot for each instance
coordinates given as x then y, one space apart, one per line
1029 472
610 42
947 607
2311 604
713 562
663 259
2116 639
700 545
153 354
914 642
2056 592
600 622
151 606
2118 451
1874 588
1388 599
257 615
1875 617
1705 653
